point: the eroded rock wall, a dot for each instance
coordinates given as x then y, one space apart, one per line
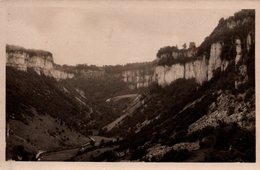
138 78
201 69
42 64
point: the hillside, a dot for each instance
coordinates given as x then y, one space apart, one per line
198 102
194 104
40 114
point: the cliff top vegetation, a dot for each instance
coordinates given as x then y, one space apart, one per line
239 25
227 30
31 52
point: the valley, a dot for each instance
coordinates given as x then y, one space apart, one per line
194 104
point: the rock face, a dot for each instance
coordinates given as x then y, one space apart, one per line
240 65
200 66
41 61
166 74
214 60
229 110
202 69
59 74
232 40
138 78
157 152
238 50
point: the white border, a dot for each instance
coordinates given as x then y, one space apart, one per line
197 4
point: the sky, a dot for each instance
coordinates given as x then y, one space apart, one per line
107 34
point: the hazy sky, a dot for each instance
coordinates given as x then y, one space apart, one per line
107 35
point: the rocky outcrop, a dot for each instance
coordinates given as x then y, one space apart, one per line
200 69
238 50
138 78
38 60
228 108
42 63
157 152
214 60
166 74
230 41
236 32
241 67
59 74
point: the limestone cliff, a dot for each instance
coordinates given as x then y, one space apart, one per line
41 61
196 69
202 69
231 42
138 78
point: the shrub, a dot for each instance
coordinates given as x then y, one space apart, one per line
169 61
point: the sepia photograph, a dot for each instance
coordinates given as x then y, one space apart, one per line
129 83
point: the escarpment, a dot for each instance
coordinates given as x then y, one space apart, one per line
202 69
38 60
42 62
138 78
231 44
198 103
166 74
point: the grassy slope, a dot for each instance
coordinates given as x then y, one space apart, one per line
41 132
40 114
27 89
43 114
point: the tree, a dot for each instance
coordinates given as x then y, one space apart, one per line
184 46
221 21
